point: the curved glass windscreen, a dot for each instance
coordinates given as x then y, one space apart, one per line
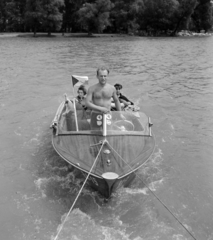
114 122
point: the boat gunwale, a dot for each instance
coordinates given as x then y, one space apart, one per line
109 133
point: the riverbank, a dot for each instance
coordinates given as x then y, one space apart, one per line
9 34
185 33
96 35
62 35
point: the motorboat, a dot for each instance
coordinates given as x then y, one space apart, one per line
107 148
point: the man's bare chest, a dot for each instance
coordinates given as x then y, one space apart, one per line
102 94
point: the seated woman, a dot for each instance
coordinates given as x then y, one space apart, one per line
80 99
82 113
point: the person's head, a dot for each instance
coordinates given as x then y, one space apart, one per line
102 74
118 88
82 91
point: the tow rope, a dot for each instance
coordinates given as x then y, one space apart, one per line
155 195
62 225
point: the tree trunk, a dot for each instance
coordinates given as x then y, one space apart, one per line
34 35
177 26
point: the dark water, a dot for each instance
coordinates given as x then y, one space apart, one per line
169 78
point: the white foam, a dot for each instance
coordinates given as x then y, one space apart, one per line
154 185
137 191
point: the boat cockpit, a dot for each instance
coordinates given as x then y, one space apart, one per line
96 123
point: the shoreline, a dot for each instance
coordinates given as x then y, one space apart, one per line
60 35
98 35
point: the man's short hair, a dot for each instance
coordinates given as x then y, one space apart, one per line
118 86
102 69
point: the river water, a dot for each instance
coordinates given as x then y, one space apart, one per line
169 78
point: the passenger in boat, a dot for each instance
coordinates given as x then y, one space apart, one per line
81 98
99 95
82 114
124 101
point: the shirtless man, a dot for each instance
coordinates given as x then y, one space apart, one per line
99 95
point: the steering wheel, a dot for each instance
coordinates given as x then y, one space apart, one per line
123 125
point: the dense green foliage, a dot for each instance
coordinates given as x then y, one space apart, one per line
44 14
145 17
95 16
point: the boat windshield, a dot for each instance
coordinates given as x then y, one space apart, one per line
114 122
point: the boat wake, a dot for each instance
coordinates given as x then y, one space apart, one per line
81 226
131 213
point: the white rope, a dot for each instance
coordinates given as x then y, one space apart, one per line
61 226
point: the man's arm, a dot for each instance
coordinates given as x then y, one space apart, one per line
125 100
113 105
125 103
116 100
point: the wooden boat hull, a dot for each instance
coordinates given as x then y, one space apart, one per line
106 187
110 156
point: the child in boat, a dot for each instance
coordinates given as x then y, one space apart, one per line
125 102
123 99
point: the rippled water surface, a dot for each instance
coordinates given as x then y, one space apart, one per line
169 78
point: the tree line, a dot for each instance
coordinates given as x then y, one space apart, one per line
149 17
